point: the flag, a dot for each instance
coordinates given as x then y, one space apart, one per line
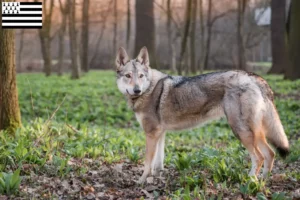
22 15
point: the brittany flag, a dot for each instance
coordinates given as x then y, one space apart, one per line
22 15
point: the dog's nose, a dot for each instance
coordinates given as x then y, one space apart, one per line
137 91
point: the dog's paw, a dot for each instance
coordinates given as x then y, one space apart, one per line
156 171
141 180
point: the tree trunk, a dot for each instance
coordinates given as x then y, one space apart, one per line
209 31
73 41
61 36
279 47
85 36
185 34
187 60
202 41
10 118
46 52
128 24
45 37
115 27
171 49
193 38
22 32
145 29
240 42
292 72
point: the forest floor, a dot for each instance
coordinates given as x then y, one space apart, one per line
80 141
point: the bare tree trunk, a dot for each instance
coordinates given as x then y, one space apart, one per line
279 46
61 35
115 27
145 29
185 34
192 38
85 36
22 32
10 118
128 24
292 72
73 41
209 32
187 60
240 41
202 44
171 49
45 36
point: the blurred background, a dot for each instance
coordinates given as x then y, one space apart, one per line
184 36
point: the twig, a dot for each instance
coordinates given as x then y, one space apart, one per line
73 129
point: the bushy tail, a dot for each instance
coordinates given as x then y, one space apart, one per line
275 132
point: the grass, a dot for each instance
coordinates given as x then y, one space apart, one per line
82 131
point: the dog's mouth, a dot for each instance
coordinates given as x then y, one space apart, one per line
133 95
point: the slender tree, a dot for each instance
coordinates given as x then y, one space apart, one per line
10 117
115 27
128 24
21 45
185 34
209 25
45 35
193 38
171 48
85 36
240 41
278 35
292 72
145 29
202 41
73 41
61 36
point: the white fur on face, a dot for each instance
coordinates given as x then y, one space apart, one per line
123 87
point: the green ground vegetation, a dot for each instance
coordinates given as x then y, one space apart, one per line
79 139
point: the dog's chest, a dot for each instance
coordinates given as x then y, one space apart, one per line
139 116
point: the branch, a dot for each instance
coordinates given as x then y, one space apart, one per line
217 17
172 19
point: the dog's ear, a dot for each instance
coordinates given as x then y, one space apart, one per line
143 57
122 57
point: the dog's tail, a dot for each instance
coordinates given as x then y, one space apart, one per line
275 132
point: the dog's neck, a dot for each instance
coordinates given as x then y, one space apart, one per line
137 103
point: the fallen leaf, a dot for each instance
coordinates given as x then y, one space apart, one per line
148 195
278 177
151 188
150 180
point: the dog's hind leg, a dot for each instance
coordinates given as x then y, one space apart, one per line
158 161
243 125
268 154
255 154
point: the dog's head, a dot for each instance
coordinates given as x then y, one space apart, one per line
133 76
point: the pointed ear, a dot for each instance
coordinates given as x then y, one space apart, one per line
122 57
143 57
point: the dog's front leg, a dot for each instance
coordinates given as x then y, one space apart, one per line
151 146
158 161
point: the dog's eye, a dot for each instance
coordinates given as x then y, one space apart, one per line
128 76
142 75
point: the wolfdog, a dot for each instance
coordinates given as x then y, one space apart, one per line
162 102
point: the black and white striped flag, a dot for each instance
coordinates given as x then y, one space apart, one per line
19 15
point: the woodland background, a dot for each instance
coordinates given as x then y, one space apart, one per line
183 36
